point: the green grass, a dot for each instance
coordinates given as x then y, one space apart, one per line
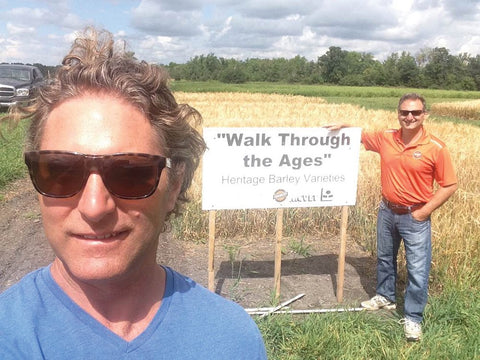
451 331
11 149
324 91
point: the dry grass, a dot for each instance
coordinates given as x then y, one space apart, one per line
456 226
463 109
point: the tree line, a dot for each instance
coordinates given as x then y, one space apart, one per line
432 68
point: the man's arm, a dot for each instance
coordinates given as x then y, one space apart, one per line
442 194
336 127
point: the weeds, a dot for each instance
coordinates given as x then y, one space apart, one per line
299 248
233 254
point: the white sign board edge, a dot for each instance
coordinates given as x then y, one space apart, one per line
260 168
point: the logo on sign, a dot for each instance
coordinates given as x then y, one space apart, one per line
280 195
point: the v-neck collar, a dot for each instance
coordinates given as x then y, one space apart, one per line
99 329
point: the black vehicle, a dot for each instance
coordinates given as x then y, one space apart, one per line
18 83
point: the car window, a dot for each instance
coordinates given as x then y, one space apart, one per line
21 74
37 74
13 73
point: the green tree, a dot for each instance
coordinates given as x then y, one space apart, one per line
390 68
473 68
439 65
232 72
358 69
203 68
177 71
435 68
333 65
255 69
408 71
273 70
297 70
375 75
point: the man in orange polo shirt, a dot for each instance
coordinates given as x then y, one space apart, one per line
411 161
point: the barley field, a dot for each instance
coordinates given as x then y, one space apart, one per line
469 110
456 226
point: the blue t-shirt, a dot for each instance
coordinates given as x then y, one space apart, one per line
39 321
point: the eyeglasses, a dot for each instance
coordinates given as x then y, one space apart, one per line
413 112
62 174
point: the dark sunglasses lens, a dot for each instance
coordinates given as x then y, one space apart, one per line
414 112
55 174
131 176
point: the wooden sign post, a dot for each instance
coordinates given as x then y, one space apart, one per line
278 251
211 250
341 255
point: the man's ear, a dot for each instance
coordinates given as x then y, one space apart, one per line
175 185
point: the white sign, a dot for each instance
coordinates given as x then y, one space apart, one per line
248 168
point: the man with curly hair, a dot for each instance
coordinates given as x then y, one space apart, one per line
112 154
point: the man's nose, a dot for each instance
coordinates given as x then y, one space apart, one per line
95 200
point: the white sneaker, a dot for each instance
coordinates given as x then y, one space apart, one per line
413 330
378 302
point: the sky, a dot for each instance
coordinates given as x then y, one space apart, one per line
164 31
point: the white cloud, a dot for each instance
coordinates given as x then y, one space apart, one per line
226 28
160 18
33 16
19 29
308 44
275 10
165 30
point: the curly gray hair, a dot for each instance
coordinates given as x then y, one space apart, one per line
95 65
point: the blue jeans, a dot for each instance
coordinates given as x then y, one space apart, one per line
416 235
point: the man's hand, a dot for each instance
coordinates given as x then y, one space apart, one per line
438 199
420 215
335 127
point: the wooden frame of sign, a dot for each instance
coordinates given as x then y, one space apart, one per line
278 251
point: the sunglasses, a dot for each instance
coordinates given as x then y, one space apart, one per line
62 174
413 112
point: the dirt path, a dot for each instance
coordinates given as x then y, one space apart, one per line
244 269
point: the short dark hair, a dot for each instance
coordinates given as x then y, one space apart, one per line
412 96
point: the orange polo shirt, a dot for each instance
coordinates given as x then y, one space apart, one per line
408 173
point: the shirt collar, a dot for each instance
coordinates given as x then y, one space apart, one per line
424 138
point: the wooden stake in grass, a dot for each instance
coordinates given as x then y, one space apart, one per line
278 251
341 255
211 250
